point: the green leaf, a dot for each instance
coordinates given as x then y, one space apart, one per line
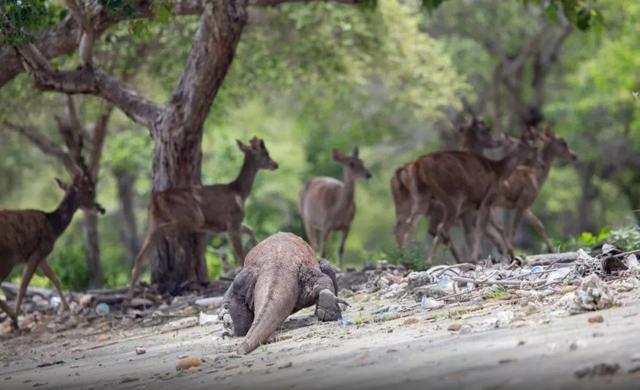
431 5
552 11
583 19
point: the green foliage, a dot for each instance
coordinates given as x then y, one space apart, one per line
128 152
214 262
68 262
412 256
626 238
496 292
26 17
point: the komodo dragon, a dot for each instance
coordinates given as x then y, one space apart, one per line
280 276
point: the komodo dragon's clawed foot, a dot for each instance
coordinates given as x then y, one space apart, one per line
328 308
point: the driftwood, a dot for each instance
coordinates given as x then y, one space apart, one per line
11 291
551 258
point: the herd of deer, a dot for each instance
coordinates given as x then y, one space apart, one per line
444 186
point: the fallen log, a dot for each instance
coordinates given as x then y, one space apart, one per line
11 291
551 258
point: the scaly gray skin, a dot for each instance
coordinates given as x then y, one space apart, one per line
280 276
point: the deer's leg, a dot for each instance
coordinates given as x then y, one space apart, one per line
150 237
26 278
325 235
4 272
482 220
246 229
514 224
496 235
449 213
10 312
235 236
537 225
48 272
467 228
311 234
343 239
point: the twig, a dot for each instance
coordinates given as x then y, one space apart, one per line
493 282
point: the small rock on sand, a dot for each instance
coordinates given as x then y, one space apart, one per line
456 326
596 319
188 362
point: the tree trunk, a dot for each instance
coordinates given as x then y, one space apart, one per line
588 194
92 251
128 229
178 260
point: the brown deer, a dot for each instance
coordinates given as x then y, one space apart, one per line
461 181
521 189
475 137
28 237
214 208
328 204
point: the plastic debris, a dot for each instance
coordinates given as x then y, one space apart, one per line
102 309
345 322
430 303
206 319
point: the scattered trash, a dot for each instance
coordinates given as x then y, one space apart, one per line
206 319
504 318
102 309
592 294
535 272
345 322
430 303
55 302
188 362
140 351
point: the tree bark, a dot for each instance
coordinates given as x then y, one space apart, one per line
588 194
128 229
92 251
178 261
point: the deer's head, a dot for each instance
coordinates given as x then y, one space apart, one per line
557 145
352 163
259 153
84 189
476 136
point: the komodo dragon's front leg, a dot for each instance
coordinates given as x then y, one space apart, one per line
321 289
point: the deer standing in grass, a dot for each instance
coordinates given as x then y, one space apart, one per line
476 138
214 208
521 189
461 181
328 204
28 237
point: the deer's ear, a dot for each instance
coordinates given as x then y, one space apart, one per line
243 147
524 134
337 155
547 130
355 152
64 186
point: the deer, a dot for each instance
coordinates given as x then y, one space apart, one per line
475 137
521 189
212 209
328 204
461 181
28 237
